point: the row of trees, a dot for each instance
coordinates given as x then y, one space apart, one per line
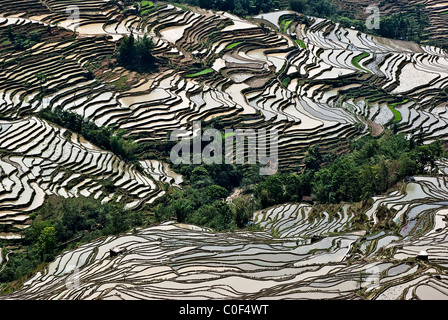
317 8
372 167
104 137
238 7
405 25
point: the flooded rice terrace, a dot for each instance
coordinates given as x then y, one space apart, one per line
284 84
296 256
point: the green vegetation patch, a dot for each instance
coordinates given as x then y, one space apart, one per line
62 224
301 43
181 6
147 7
373 167
396 113
286 24
358 58
202 201
286 81
230 134
410 24
19 38
233 45
147 4
120 84
135 53
200 73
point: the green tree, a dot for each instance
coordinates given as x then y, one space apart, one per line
215 192
46 242
270 192
117 221
243 209
200 178
240 8
126 50
123 148
217 215
298 5
33 232
143 48
313 158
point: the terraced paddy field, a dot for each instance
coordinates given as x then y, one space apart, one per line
316 83
296 257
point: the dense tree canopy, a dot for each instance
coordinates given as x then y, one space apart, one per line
135 53
203 200
373 166
238 7
408 25
20 39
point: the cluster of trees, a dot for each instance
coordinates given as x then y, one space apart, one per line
203 200
20 39
63 224
204 207
409 25
135 53
317 8
238 7
103 137
283 187
372 167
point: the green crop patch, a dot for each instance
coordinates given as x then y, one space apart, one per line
301 43
233 45
147 4
147 7
357 59
181 6
201 73
286 26
397 113
229 134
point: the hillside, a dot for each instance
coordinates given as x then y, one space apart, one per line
436 11
77 123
